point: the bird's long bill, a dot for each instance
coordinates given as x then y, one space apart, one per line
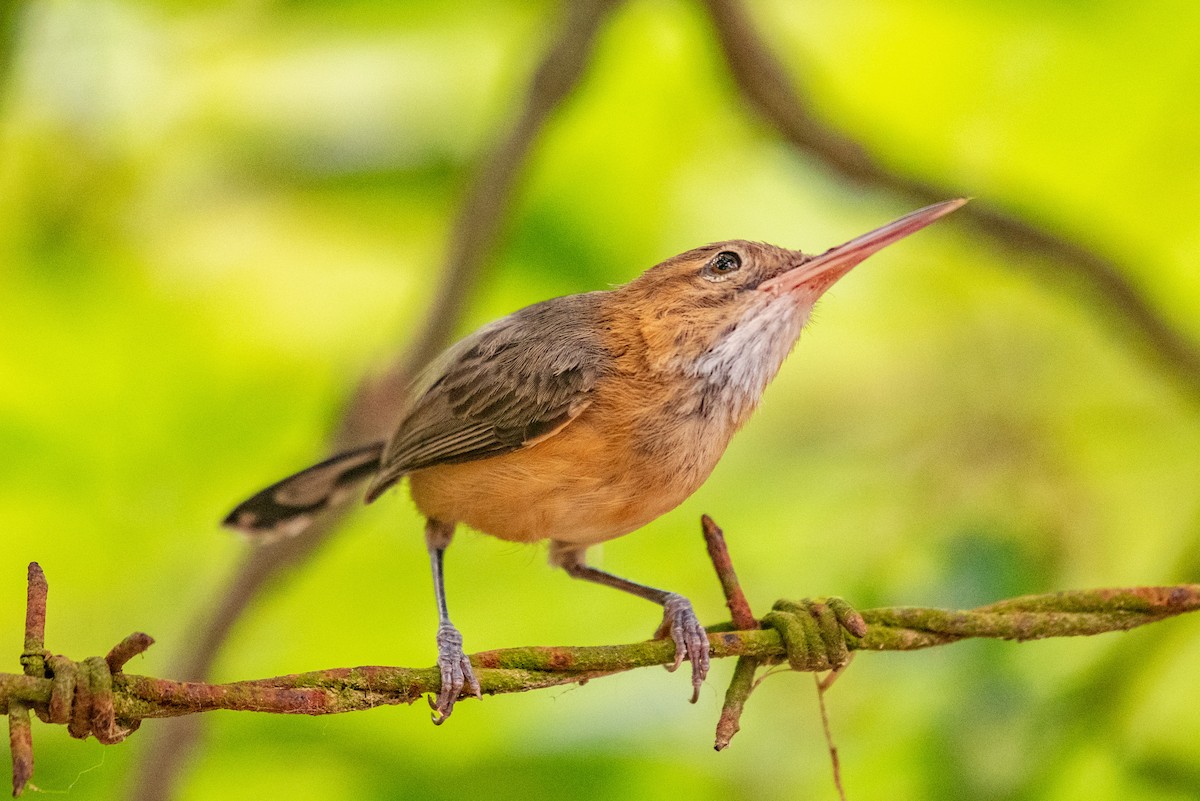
819 272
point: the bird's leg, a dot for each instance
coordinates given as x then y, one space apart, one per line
453 663
679 620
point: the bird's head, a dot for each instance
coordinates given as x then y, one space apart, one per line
730 312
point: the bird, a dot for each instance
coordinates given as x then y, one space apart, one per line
582 418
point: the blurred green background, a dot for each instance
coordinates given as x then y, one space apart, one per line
215 218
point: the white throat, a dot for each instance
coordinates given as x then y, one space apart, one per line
738 367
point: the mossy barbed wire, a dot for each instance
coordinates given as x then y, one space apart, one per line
94 697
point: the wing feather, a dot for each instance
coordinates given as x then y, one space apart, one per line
510 384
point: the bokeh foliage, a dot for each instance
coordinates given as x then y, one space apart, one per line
214 219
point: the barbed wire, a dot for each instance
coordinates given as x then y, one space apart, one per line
94 697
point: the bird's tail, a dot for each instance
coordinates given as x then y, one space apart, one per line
288 507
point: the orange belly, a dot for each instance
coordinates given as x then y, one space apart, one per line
589 483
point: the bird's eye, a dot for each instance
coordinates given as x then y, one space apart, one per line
722 266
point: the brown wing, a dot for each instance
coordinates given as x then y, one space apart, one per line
508 385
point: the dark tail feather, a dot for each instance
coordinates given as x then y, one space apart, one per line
287 507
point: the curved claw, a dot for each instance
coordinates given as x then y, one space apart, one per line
456 673
691 640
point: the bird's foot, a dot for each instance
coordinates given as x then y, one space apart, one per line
456 673
691 640
814 631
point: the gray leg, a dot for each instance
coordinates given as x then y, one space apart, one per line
453 663
679 620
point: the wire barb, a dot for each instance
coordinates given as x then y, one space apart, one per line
20 742
80 694
34 656
718 552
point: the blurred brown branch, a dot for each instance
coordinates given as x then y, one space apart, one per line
94 697
779 99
